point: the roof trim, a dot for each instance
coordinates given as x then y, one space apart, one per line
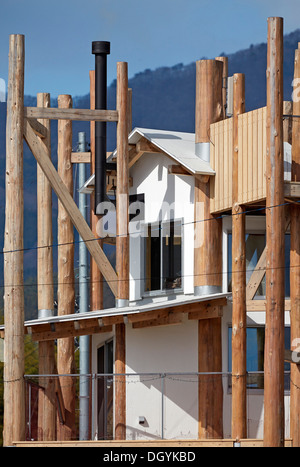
123 311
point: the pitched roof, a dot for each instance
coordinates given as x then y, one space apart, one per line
177 145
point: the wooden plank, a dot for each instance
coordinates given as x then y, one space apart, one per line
71 114
169 319
260 305
256 276
213 165
149 443
60 402
178 170
39 128
250 168
143 145
81 157
224 60
260 270
260 173
255 153
69 331
208 313
292 190
37 148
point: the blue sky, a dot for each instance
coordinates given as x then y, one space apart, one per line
146 34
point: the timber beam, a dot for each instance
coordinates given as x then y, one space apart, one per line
79 326
37 148
292 190
180 170
71 114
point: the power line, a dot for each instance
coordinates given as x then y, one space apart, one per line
54 245
36 284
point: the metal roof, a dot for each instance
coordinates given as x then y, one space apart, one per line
179 146
128 310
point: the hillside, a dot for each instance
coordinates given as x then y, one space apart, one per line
164 99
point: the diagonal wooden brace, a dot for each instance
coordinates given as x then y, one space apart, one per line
38 150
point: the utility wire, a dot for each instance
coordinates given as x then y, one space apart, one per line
142 232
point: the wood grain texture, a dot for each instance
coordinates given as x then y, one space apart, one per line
47 399
14 390
275 229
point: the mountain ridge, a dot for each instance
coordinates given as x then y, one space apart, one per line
163 99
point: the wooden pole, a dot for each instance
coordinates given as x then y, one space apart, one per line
208 256
66 286
239 317
96 278
122 240
122 246
47 398
129 114
14 389
295 271
275 226
224 60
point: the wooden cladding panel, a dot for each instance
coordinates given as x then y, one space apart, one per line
252 160
221 161
252 146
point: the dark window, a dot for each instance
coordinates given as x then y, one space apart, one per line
163 246
255 356
255 244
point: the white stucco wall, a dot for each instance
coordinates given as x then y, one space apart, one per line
164 349
166 197
174 349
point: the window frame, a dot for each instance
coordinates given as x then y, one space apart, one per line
251 390
254 225
162 291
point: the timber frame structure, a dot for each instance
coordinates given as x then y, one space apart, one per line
244 178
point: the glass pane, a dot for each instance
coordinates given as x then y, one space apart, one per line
287 264
255 244
255 356
152 258
171 242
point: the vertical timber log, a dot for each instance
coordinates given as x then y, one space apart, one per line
208 253
66 286
224 60
239 317
14 388
122 246
96 278
295 270
275 226
47 398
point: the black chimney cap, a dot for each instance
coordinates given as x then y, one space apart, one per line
101 47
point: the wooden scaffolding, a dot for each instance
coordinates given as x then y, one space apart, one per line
246 175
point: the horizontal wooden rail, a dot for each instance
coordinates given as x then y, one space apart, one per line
71 114
38 150
144 443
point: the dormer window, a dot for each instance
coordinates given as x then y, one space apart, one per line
163 256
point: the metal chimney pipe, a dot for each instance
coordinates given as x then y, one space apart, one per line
100 49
